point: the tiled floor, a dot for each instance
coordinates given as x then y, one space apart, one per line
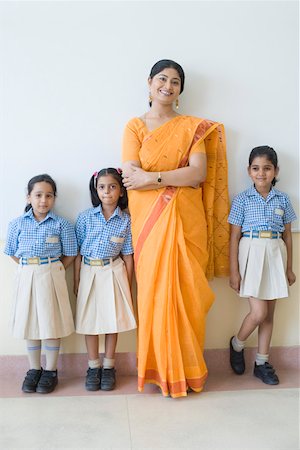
244 420
232 413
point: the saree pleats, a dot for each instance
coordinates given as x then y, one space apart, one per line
171 257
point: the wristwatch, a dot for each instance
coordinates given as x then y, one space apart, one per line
159 177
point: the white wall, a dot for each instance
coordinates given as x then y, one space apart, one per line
73 73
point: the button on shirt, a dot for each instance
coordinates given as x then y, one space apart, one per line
99 238
252 212
52 237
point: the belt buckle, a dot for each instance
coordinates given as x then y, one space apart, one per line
265 234
96 262
33 260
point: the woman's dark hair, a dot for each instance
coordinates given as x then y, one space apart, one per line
39 179
168 64
269 153
117 175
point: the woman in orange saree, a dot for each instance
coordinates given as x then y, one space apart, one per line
180 232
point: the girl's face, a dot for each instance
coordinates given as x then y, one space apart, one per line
165 86
109 191
262 172
41 199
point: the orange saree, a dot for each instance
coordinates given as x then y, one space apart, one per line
180 237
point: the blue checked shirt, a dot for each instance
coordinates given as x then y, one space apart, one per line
100 239
52 237
252 212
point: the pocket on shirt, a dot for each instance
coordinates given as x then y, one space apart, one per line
117 239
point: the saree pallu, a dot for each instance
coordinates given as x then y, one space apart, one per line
180 237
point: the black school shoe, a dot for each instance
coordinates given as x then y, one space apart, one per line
93 379
31 380
237 360
108 379
266 373
47 382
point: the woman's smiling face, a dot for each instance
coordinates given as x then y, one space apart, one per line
165 86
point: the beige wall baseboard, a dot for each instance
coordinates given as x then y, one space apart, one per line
75 365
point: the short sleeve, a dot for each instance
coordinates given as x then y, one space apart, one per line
131 142
80 228
289 213
11 246
236 215
68 239
198 147
127 248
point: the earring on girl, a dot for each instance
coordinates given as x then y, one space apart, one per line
176 103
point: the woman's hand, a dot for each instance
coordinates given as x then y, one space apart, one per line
136 178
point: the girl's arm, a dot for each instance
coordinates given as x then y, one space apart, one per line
136 178
15 259
77 265
235 277
287 237
67 260
128 260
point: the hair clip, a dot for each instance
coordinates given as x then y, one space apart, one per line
95 175
120 171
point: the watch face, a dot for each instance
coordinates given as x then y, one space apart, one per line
159 180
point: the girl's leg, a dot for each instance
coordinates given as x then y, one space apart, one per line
265 329
108 380
48 380
34 353
34 373
51 347
257 314
93 377
262 368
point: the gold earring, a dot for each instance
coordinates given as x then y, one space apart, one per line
150 98
177 103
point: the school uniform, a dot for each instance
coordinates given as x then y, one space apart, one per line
41 307
104 303
262 252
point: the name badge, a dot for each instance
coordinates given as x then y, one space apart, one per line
52 239
279 211
117 239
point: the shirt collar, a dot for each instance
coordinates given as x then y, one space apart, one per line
50 215
253 192
117 212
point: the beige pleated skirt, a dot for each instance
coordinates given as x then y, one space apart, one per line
104 303
262 264
41 307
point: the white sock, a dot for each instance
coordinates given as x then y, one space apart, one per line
108 363
51 351
238 345
34 353
94 363
261 359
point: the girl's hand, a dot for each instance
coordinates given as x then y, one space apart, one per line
235 281
290 276
138 178
75 287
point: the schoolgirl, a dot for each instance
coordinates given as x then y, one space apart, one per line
43 244
103 275
260 258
